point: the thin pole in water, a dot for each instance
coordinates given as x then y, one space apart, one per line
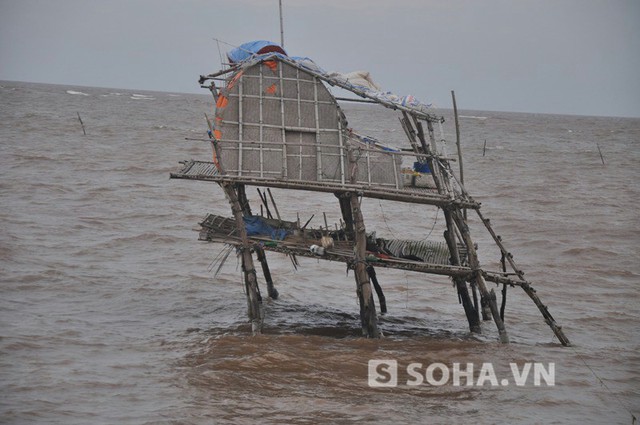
455 114
85 133
484 148
281 25
601 157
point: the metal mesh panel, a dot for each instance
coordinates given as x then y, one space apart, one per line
290 129
250 85
291 116
308 115
290 89
327 115
271 113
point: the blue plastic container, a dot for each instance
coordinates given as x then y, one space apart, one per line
421 167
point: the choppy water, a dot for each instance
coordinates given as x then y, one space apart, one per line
109 311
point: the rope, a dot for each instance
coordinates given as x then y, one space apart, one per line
603 384
219 52
253 54
384 218
435 220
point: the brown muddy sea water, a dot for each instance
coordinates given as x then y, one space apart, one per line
110 312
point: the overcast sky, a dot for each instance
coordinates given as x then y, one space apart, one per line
551 56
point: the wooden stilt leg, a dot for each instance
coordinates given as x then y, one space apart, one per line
443 185
504 288
485 295
345 208
474 291
485 308
354 222
271 290
463 293
374 280
368 315
254 300
242 199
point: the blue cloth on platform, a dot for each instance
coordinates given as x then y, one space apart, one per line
258 226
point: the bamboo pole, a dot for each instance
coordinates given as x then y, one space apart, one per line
85 133
598 145
285 164
244 202
504 288
458 145
368 317
261 121
299 107
246 211
345 209
470 309
486 296
376 285
557 329
455 114
263 198
254 300
308 221
281 25
271 290
275 207
474 292
317 132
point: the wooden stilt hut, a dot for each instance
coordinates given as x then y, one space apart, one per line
276 125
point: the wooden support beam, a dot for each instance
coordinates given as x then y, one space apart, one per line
474 291
557 330
368 315
376 285
485 295
263 198
246 211
254 300
345 209
85 131
455 114
504 288
271 290
470 308
244 202
444 188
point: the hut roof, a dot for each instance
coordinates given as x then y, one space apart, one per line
352 82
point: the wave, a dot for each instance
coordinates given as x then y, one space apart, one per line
142 97
76 93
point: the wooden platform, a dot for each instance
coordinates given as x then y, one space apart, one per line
219 229
207 171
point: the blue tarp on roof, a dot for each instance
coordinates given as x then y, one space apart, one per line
247 50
